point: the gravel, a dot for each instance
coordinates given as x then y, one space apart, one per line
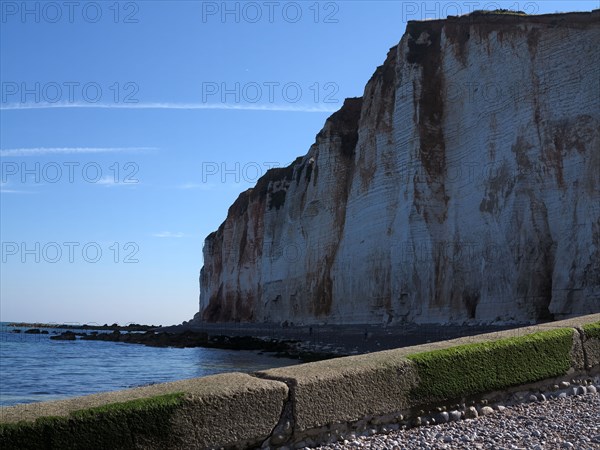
558 423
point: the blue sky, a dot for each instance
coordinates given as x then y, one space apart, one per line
127 129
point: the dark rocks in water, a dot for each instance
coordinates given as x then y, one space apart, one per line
281 348
64 326
31 331
66 336
186 339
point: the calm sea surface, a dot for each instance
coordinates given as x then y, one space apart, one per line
34 368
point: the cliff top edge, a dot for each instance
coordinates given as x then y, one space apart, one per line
506 16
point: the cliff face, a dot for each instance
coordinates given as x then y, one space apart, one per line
463 186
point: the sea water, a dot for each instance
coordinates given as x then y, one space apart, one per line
35 368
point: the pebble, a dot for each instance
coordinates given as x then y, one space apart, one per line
486 411
471 413
455 416
573 391
572 422
442 417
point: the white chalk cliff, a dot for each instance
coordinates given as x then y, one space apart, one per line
463 186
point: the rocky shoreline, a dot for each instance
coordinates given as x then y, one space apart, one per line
305 343
64 326
282 348
286 340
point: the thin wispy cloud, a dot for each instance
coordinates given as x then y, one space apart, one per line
181 106
109 181
13 191
5 190
168 234
198 186
215 186
41 151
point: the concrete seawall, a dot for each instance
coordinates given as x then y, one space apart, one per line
315 402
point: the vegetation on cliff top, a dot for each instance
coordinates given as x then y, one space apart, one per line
508 12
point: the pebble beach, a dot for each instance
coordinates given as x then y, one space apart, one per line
570 422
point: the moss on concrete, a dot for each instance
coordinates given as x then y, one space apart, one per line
117 426
591 344
472 369
206 412
592 330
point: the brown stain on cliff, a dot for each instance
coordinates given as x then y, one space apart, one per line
215 307
341 133
562 140
424 49
382 87
553 155
273 182
244 307
378 106
521 149
458 34
323 295
533 39
243 251
343 125
535 262
459 30
367 171
498 188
